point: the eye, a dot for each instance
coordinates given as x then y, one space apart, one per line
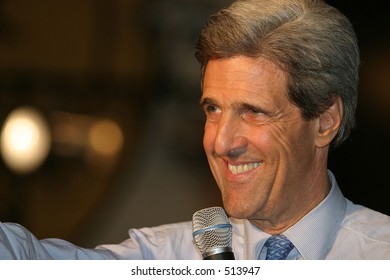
252 111
212 111
210 108
252 114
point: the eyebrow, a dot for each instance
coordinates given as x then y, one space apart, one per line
244 105
237 105
206 100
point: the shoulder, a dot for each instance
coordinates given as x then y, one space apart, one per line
364 234
367 222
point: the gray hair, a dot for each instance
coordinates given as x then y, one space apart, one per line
310 40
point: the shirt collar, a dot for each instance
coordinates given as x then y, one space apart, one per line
313 236
247 239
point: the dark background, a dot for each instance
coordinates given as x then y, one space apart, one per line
132 62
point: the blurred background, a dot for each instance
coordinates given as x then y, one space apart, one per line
100 125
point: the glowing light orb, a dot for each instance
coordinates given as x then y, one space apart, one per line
106 138
25 140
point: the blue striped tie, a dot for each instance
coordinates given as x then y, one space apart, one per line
278 247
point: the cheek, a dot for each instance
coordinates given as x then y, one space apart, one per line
295 144
279 146
267 140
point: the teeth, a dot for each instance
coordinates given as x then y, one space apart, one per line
237 169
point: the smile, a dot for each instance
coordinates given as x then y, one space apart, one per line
237 169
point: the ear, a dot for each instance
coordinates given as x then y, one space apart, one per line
329 123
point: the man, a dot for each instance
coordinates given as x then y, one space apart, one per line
279 83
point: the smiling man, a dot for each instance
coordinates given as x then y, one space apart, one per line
269 162
279 90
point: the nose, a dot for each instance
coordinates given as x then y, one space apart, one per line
230 140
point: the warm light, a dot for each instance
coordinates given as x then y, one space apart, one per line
106 138
25 140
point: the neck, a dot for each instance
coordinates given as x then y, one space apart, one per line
313 192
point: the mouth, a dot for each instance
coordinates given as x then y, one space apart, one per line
242 168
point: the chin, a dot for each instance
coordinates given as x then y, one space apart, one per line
237 211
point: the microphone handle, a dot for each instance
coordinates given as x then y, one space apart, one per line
220 256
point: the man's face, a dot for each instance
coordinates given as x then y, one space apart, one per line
260 150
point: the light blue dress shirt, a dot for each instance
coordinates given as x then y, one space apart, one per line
335 229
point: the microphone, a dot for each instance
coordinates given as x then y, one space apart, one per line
212 233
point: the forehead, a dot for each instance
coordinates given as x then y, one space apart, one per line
245 77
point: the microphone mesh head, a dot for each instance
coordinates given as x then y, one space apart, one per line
211 229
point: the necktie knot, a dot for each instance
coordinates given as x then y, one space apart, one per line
278 247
